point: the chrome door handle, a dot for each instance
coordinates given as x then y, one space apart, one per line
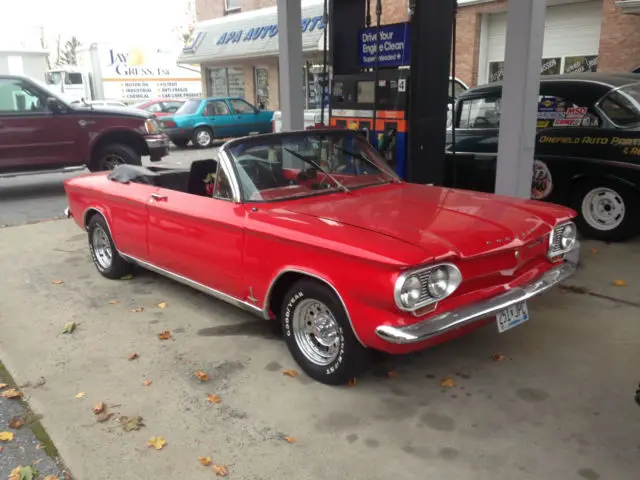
158 197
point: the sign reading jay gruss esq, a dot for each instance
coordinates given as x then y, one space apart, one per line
393 45
309 24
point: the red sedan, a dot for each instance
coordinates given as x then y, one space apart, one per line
160 107
313 229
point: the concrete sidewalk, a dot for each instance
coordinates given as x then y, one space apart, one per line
559 406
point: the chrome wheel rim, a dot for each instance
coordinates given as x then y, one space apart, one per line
316 332
603 209
203 138
102 247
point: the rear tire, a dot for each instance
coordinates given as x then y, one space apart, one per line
103 251
607 210
202 137
107 157
319 336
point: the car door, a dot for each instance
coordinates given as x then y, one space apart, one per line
472 163
31 135
200 238
247 117
217 115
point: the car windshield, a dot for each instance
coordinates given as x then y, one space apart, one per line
302 164
189 107
622 106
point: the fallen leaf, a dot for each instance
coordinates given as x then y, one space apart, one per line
38 446
3 385
447 382
162 305
57 282
290 439
6 436
497 357
12 393
23 473
131 423
81 395
290 373
114 302
137 310
352 382
16 423
127 277
620 283
213 398
166 335
146 383
99 408
202 376
205 461
103 417
594 250
221 470
51 477
1 449
392 374
133 356
69 327
156 442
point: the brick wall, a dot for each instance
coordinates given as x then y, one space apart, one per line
619 39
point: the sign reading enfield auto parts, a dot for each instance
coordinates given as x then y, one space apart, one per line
393 46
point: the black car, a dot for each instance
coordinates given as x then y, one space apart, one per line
587 153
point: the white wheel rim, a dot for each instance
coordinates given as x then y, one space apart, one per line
603 209
203 138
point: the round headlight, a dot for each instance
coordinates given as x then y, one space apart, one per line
568 237
438 282
410 291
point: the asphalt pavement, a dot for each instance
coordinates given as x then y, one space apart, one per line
33 199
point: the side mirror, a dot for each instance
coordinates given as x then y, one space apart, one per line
54 105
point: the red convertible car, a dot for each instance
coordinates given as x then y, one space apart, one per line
313 229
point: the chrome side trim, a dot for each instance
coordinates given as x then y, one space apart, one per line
267 298
446 321
198 286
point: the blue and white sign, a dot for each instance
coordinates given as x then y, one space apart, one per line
393 45
260 33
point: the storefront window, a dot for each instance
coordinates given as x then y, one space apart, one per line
262 87
496 71
582 63
227 82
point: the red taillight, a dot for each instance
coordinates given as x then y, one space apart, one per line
169 124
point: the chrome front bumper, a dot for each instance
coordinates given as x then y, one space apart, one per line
461 317
67 213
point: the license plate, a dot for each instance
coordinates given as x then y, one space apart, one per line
512 316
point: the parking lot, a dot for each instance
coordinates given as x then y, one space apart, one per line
552 398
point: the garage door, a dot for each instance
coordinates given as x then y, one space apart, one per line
571 40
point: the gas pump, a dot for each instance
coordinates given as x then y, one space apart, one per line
359 100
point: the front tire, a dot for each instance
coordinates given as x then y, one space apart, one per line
202 137
607 210
319 336
107 157
103 251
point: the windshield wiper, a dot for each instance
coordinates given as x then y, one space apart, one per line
370 162
315 165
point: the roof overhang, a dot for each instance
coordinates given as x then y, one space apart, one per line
629 6
252 34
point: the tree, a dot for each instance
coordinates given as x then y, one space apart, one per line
67 54
188 24
43 44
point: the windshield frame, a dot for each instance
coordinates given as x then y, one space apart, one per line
227 155
621 91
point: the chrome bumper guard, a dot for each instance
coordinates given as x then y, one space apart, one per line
67 213
464 316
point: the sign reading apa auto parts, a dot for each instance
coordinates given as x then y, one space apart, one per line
392 43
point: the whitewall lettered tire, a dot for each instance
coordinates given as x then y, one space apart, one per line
319 335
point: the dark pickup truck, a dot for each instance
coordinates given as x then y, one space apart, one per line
40 132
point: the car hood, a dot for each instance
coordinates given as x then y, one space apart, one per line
113 111
444 222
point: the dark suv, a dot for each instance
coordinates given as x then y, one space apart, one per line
39 132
